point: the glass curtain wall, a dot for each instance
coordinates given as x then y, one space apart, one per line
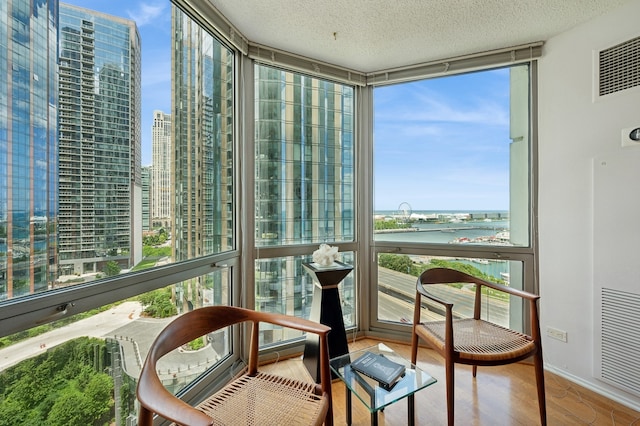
99 96
203 168
304 185
28 147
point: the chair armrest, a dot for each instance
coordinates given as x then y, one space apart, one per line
295 323
152 394
423 292
510 290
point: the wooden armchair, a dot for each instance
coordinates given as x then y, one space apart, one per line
474 341
253 398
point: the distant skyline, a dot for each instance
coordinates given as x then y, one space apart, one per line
440 144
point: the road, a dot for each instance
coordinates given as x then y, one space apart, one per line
134 333
98 325
397 296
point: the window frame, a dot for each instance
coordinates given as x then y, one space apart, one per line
25 312
528 255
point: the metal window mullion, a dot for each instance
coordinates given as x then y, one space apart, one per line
26 312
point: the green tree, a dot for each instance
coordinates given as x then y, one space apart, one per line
71 409
11 411
158 303
400 263
111 268
380 224
64 386
99 392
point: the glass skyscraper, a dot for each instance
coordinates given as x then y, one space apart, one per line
146 198
202 167
28 146
100 176
304 182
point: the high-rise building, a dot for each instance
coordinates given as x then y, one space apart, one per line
100 178
146 198
162 151
28 146
202 166
304 155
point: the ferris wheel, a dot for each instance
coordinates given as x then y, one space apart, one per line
404 211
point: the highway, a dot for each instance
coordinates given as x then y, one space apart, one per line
397 295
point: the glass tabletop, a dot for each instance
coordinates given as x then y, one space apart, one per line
369 391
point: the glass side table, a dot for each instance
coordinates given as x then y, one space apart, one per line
374 396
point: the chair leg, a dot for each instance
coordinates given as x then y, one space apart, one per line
145 417
414 348
542 402
474 370
449 373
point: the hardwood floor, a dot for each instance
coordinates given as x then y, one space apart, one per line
503 395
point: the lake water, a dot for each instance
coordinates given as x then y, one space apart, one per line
456 233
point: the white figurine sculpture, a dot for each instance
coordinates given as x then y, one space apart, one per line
325 255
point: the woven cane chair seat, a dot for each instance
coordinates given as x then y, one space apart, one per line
478 340
265 399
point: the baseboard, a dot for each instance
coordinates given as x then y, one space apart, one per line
627 402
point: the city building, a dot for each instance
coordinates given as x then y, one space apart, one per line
292 187
147 188
202 167
28 147
100 179
162 154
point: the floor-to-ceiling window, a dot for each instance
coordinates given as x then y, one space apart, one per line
73 339
452 172
304 186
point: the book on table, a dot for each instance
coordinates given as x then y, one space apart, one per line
379 368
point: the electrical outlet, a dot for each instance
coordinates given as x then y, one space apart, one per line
554 333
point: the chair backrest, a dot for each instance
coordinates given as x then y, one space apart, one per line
448 276
451 276
196 323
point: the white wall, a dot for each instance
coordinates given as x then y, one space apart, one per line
573 131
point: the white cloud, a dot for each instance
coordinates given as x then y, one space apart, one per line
147 12
431 109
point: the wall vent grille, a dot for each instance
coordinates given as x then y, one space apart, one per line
620 67
621 339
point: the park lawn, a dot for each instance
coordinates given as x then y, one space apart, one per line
146 263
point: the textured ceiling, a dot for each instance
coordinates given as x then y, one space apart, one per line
372 35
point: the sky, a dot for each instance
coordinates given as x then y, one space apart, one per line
440 144
443 143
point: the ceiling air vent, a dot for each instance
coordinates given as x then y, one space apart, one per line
620 67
